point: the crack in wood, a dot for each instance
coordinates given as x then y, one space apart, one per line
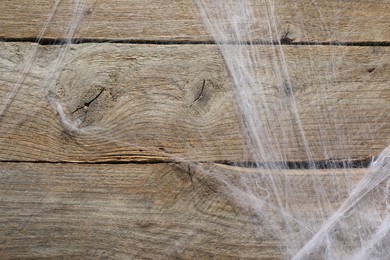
285 39
200 93
87 104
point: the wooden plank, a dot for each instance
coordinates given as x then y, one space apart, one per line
180 20
119 102
149 108
144 211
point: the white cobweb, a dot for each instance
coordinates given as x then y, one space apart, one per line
335 226
358 227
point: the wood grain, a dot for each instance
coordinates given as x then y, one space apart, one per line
71 109
139 211
180 20
119 102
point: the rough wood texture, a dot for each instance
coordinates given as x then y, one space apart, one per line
179 20
141 102
135 211
169 103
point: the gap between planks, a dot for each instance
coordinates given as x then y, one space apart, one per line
303 165
59 41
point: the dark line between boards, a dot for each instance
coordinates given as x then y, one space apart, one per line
89 163
47 41
302 165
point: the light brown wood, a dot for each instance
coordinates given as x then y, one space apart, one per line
175 105
140 211
180 20
144 103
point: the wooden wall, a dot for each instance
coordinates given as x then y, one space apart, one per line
117 185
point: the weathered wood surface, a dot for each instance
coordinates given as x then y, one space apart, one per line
137 211
169 103
120 102
180 20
